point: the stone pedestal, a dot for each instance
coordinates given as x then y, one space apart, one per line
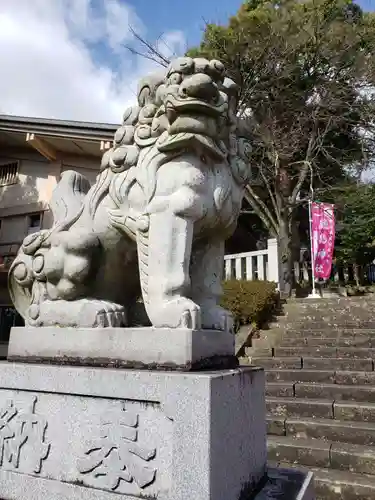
150 348
93 433
164 431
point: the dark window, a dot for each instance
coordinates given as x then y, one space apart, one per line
8 317
34 223
9 173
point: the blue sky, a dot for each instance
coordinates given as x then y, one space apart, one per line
367 4
68 58
188 16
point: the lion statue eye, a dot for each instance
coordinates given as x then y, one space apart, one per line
175 79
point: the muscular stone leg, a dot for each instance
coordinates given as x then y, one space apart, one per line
206 276
164 258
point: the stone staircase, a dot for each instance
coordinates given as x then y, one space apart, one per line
320 393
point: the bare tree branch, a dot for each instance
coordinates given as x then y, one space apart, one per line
261 209
152 53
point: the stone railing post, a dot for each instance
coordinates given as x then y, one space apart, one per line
274 273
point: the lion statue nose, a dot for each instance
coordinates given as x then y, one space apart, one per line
199 86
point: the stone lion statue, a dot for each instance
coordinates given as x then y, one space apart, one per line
154 223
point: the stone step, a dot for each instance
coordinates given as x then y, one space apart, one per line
331 299
325 364
319 453
308 331
354 378
353 411
337 485
283 363
327 300
324 322
342 364
327 376
328 333
301 325
351 311
320 408
332 484
362 433
291 308
302 375
363 393
352 341
305 452
324 352
280 389
294 407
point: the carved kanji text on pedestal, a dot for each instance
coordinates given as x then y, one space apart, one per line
116 454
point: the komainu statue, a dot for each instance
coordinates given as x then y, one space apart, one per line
153 225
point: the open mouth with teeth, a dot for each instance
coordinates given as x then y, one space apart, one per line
193 123
192 120
185 106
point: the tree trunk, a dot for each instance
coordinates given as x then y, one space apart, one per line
356 274
286 254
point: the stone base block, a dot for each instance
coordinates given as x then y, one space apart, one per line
102 434
151 348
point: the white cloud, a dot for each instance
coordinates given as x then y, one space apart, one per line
66 58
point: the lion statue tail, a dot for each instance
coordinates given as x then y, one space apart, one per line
66 206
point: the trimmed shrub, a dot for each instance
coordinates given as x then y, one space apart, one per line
251 302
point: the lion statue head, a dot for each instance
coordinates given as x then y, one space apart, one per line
191 103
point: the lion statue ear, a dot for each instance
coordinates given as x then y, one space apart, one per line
148 86
231 87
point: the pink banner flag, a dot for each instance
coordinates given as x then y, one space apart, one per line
323 238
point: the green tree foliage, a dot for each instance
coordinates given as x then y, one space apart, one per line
305 71
355 214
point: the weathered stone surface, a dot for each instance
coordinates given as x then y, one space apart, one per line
334 399
354 458
275 375
355 378
362 412
311 333
308 452
362 433
275 425
343 364
135 433
355 352
337 485
265 352
282 363
280 389
335 391
284 407
353 341
304 341
324 352
168 194
124 347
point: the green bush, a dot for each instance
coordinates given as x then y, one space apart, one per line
251 302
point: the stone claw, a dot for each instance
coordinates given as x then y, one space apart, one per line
84 313
191 319
176 313
217 318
